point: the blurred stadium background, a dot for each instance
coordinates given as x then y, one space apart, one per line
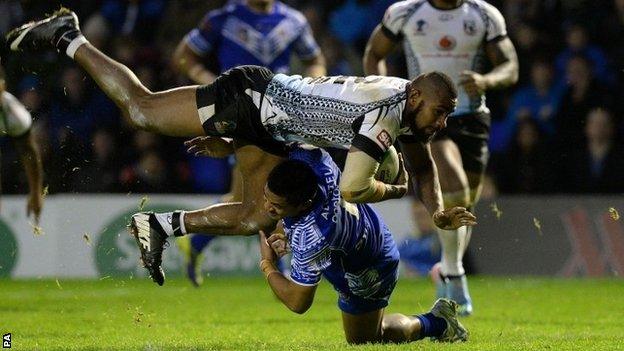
549 208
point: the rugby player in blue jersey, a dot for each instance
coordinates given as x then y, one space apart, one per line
249 32
346 243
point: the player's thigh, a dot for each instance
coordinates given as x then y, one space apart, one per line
171 112
363 328
448 160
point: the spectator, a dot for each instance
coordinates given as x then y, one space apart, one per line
101 173
578 43
76 109
148 175
599 166
539 101
126 18
526 168
582 94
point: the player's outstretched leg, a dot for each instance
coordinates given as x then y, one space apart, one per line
142 108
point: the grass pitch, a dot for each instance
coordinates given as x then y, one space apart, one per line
241 314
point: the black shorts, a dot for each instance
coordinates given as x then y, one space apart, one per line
471 133
226 110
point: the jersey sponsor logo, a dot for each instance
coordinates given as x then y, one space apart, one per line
447 43
445 17
384 138
470 27
421 26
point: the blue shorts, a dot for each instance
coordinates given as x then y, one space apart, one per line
369 288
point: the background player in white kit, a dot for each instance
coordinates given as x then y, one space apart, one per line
456 37
16 122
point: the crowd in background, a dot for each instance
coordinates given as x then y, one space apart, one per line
559 130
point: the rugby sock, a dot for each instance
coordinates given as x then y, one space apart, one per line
199 242
172 222
452 250
431 325
70 42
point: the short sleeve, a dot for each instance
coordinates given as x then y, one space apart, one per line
17 119
378 132
495 28
394 19
205 37
311 254
305 46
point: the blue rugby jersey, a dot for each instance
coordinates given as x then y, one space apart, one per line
334 232
240 36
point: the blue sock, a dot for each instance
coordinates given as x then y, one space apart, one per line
199 242
431 325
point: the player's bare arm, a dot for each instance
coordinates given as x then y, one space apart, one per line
298 298
378 47
31 160
502 55
189 63
358 183
315 67
424 174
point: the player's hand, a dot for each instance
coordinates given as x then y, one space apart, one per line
279 244
473 83
34 205
209 147
402 178
266 252
454 218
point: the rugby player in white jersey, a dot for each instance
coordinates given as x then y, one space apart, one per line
456 37
263 112
16 122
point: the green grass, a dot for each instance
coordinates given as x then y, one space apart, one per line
241 314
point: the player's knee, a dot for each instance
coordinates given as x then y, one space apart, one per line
395 329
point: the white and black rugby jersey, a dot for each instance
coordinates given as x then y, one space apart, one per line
15 120
449 41
336 111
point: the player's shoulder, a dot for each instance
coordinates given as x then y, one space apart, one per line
306 233
399 13
290 13
486 9
220 13
402 8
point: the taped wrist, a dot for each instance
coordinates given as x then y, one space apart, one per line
268 267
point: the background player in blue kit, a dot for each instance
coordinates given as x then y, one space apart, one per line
349 245
249 32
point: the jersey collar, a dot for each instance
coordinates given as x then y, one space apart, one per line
441 9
